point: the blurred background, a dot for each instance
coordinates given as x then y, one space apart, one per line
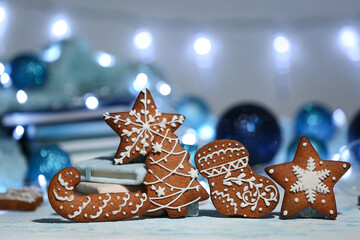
262 72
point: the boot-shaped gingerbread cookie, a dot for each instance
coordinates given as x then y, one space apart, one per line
235 188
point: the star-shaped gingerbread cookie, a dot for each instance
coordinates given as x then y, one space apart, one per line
138 127
308 181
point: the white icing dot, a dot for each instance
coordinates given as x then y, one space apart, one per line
245 215
223 145
85 215
333 178
214 160
137 195
77 176
344 166
203 152
230 155
260 209
209 149
243 152
61 207
72 206
215 197
65 193
285 213
222 158
237 144
331 212
208 163
223 201
304 144
111 204
227 206
212 184
229 144
107 215
118 198
127 140
271 171
199 155
241 170
238 154
58 189
296 200
130 204
124 213
215 146
267 181
99 198
286 179
323 201
321 162
93 207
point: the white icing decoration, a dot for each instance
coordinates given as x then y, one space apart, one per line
323 201
333 178
64 184
285 213
66 198
160 191
260 209
193 173
105 201
321 162
157 147
142 130
61 207
296 200
223 151
331 212
78 212
138 206
286 179
344 166
230 200
310 181
126 198
176 192
271 171
304 144
225 168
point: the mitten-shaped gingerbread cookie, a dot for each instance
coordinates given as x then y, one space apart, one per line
171 181
235 188
92 207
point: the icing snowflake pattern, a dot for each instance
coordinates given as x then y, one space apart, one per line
138 128
310 181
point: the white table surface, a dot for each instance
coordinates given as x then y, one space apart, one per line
44 223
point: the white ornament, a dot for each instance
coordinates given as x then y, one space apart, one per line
160 191
157 147
193 173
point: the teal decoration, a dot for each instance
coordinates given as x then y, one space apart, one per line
255 127
315 121
195 110
319 146
27 71
13 164
192 149
354 135
47 161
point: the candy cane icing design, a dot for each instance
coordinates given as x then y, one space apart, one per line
235 188
92 207
171 181
139 127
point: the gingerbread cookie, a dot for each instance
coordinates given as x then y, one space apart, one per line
171 181
25 199
235 188
308 181
92 207
138 127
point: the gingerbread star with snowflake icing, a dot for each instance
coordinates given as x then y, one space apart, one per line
308 181
138 127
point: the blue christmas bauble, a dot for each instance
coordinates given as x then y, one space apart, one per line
314 120
192 149
319 146
27 71
47 161
195 110
354 134
255 127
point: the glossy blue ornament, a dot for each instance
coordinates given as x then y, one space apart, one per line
255 127
319 146
314 120
195 111
47 161
354 134
192 149
27 72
